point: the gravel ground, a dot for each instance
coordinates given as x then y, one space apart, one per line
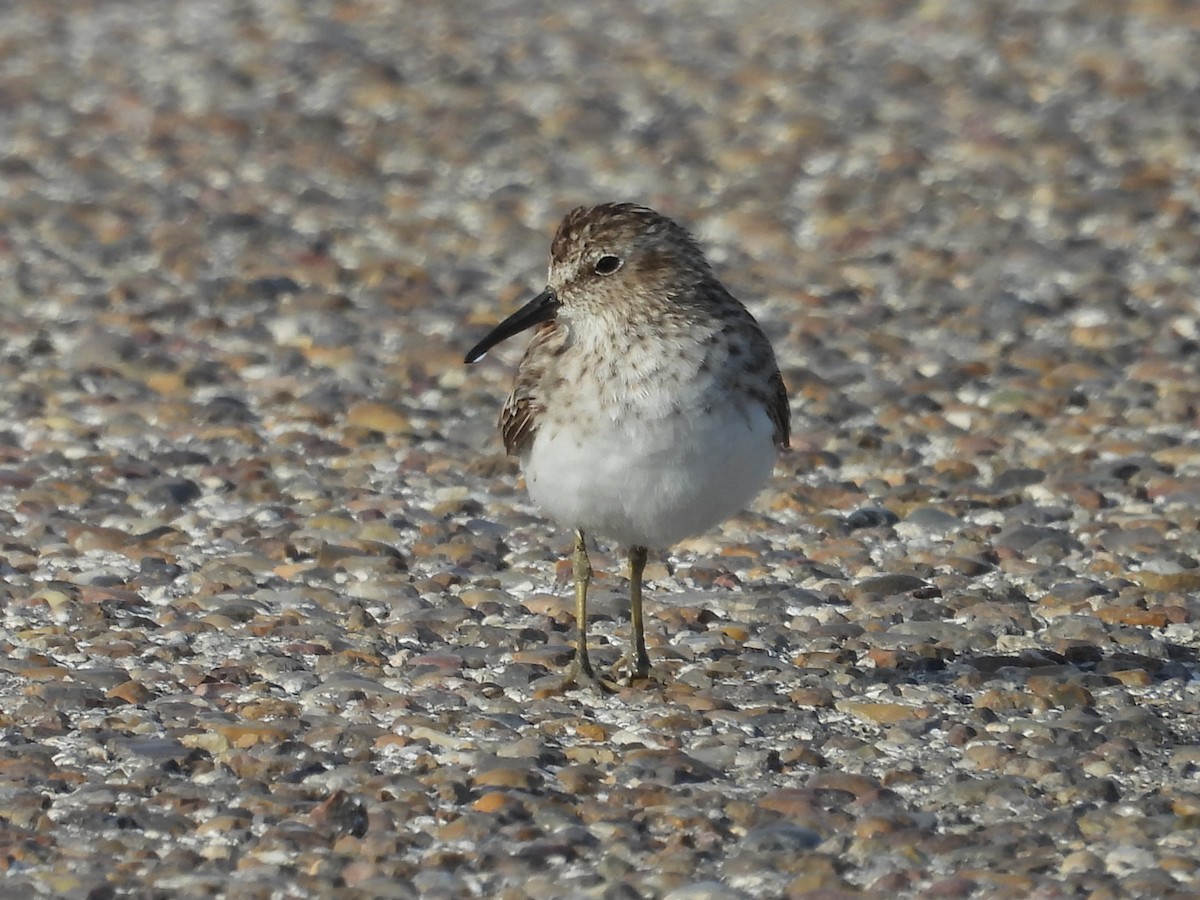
275 605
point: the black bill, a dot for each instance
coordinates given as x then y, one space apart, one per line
540 309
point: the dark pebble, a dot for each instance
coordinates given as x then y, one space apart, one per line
891 585
781 837
871 517
227 411
1015 479
1023 538
172 491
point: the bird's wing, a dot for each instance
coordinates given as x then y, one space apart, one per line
523 410
779 411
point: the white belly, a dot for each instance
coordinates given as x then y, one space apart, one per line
650 483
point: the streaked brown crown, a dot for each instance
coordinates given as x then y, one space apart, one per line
624 226
661 262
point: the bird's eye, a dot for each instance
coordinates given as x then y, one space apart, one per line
608 264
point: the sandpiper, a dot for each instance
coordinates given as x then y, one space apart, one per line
648 407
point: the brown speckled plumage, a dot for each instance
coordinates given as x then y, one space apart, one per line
519 417
648 405
675 284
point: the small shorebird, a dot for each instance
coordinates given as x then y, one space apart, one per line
648 406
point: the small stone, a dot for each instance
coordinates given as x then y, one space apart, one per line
890 585
170 491
130 692
495 802
378 416
871 517
704 890
780 838
882 713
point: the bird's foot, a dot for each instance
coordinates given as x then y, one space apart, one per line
637 666
578 675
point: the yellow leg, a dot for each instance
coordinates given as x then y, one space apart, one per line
640 660
581 568
581 674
